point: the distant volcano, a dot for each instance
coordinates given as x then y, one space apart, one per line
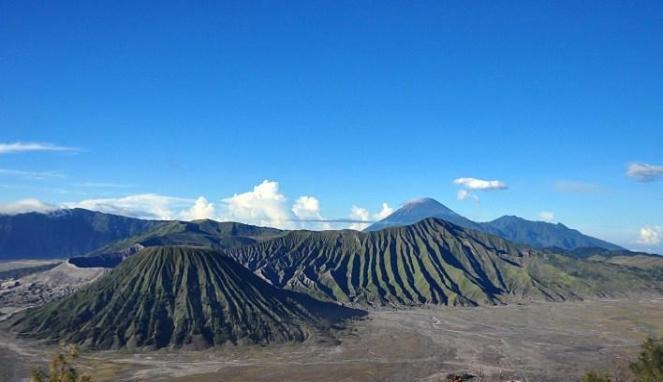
536 234
419 209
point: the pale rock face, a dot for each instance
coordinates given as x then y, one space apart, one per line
41 287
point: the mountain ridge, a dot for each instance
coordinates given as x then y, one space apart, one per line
64 233
537 234
543 234
430 262
203 233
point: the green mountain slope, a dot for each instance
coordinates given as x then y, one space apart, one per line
198 233
64 233
179 296
431 262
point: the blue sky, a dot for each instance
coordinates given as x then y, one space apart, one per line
352 104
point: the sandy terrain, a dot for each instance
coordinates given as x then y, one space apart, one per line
536 342
7 265
41 287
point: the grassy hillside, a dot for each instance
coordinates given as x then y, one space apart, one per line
431 262
179 296
198 233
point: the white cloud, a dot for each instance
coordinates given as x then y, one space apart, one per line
307 207
201 209
474 184
384 212
32 175
547 216
650 235
480 184
464 194
19 147
264 205
26 205
361 214
146 206
643 172
307 210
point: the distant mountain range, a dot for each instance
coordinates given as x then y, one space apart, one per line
106 239
64 233
199 233
518 230
431 262
179 297
78 232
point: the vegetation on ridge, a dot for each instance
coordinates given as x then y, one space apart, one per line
199 233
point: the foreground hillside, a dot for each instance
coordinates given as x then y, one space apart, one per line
178 296
432 262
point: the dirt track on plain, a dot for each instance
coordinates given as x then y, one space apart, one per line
535 342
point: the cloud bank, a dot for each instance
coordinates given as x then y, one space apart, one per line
144 206
26 205
263 205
